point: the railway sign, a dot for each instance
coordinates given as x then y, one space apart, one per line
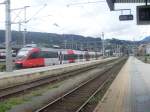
126 17
143 14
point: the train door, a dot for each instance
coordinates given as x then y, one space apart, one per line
87 56
60 56
64 56
51 58
79 56
71 56
96 56
83 55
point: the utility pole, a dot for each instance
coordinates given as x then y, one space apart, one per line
9 63
19 29
134 46
76 46
95 45
24 37
9 66
87 45
65 42
103 44
19 24
25 29
146 1
81 46
72 43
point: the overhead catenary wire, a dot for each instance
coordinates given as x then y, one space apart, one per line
84 3
41 18
32 27
17 15
36 13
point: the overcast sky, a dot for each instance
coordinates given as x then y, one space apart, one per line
75 17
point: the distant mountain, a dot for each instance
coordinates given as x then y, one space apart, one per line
69 41
146 39
50 39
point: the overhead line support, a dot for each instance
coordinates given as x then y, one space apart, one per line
9 66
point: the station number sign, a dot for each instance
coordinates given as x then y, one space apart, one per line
126 17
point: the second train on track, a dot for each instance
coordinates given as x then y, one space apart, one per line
30 56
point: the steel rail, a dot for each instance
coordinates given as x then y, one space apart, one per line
87 101
98 90
76 88
59 98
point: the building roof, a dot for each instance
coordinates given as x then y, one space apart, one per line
130 1
112 2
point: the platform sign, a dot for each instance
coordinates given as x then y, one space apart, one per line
126 17
143 15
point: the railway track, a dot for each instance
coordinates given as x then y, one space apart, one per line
18 89
77 99
90 104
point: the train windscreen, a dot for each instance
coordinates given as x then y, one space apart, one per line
22 54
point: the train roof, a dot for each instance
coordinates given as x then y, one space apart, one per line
57 50
27 48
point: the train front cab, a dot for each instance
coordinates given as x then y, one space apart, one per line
28 58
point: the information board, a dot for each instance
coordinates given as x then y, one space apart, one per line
143 15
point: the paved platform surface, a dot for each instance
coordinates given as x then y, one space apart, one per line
130 91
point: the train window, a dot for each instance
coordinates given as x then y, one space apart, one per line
65 57
34 55
42 54
46 54
80 56
70 56
22 54
53 54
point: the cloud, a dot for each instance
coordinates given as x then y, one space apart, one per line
54 16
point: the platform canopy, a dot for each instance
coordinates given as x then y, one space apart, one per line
112 2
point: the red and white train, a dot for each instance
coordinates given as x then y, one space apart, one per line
29 57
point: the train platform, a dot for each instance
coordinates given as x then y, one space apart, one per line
130 91
17 77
